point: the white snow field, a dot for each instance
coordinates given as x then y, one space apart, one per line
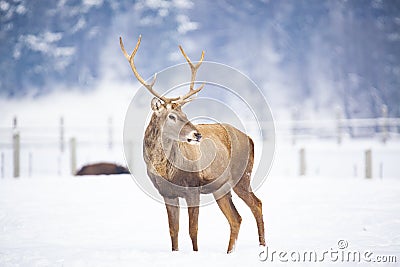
108 221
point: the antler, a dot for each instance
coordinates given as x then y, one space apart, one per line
140 79
194 68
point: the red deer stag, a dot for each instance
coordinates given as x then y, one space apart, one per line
185 160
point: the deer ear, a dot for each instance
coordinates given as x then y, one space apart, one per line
156 104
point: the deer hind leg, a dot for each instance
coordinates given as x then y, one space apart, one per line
232 215
193 202
172 205
243 190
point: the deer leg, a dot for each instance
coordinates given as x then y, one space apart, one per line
172 205
193 210
243 190
193 225
232 215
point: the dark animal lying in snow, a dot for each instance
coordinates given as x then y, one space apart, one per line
102 168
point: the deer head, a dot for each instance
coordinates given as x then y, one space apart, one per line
167 112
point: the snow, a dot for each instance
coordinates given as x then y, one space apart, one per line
325 158
91 3
48 218
4 6
108 221
185 25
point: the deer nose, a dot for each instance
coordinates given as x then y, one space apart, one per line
198 136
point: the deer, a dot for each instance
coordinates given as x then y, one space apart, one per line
184 160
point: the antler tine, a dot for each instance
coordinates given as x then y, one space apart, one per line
149 87
194 69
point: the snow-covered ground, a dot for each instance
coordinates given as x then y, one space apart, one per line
48 218
108 221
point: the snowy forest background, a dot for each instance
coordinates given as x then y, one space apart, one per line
313 54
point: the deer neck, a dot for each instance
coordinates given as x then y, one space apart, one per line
157 150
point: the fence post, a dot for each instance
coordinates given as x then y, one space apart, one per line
302 155
339 125
16 154
2 165
368 164
110 133
16 149
61 134
72 143
384 126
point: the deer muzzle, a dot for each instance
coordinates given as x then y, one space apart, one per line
194 137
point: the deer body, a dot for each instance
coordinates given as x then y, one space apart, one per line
185 160
207 170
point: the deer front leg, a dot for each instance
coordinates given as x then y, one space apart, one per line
193 225
193 202
172 205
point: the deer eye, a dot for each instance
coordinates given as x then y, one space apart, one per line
172 117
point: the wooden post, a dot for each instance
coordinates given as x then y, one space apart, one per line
368 164
61 134
2 165
110 133
16 154
384 126
72 143
338 125
302 156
